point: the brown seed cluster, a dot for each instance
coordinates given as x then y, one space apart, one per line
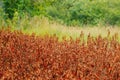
25 57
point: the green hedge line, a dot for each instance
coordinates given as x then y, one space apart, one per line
69 12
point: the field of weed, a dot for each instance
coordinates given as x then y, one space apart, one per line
26 57
42 26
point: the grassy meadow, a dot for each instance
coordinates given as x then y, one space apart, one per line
42 26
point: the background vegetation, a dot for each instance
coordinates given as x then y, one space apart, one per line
68 12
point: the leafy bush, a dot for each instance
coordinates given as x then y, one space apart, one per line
24 57
2 14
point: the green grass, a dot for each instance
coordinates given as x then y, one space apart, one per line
43 26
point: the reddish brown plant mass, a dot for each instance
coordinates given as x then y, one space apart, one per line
25 57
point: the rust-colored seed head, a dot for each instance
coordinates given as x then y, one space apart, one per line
25 57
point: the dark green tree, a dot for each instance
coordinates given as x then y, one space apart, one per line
20 6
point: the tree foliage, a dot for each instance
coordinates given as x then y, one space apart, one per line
30 7
70 12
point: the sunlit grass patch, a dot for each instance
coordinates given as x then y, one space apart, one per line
43 27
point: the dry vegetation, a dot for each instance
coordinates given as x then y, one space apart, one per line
25 57
44 26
